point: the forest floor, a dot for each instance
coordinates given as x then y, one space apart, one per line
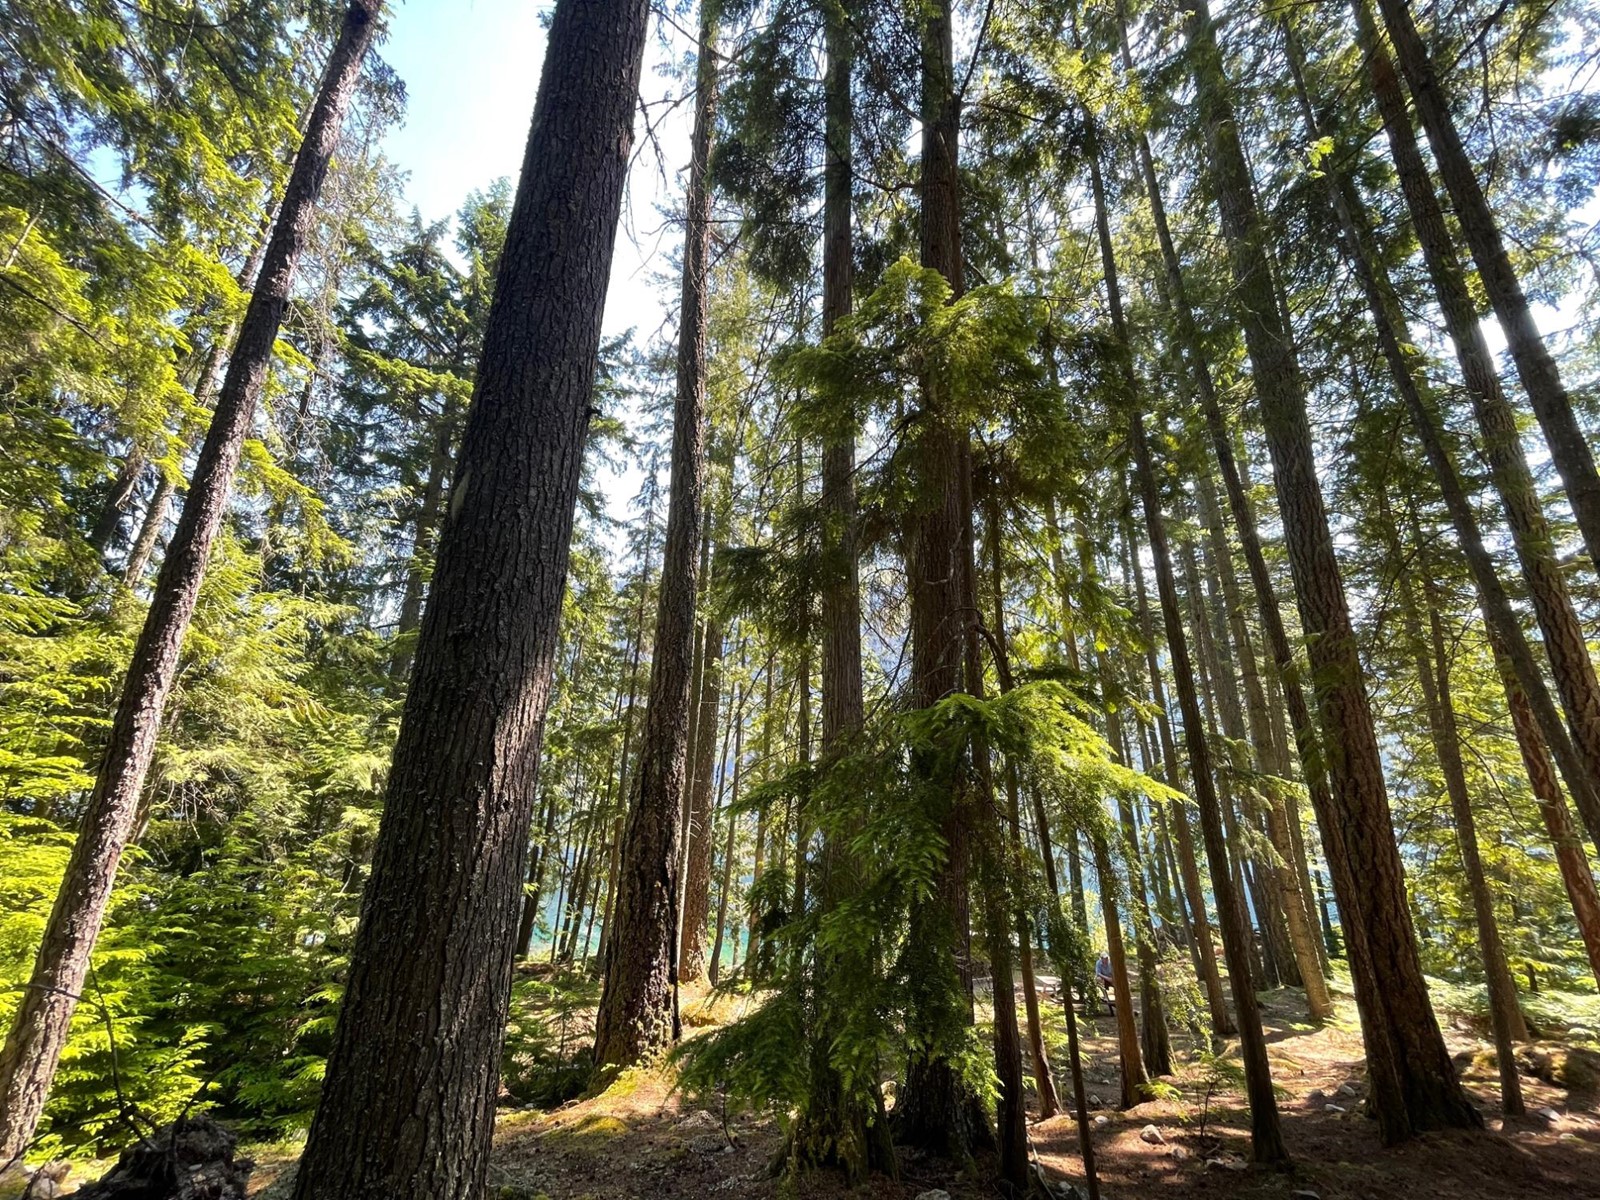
642 1139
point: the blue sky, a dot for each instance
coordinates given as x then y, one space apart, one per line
471 69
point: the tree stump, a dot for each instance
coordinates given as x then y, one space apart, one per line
191 1159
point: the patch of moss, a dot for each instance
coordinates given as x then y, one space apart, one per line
595 1127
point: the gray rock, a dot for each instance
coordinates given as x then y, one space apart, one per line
1347 1089
934 1194
1318 1096
1334 1109
1095 1101
1152 1135
1101 1122
1548 1115
1178 1153
1228 1163
1304 1194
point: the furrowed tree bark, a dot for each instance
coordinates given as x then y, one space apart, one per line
835 1127
1571 667
935 1111
407 1108
39 1030
1306 735
1514 658
1414 1085
638 1014
1536 367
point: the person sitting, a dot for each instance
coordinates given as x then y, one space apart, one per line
1103 976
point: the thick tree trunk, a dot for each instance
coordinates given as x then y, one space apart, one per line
39 1030
638 1013
1541 379
834 1127
407 1108
1571 666
935 1110
1414 1085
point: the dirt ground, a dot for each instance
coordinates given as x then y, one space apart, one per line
641 1141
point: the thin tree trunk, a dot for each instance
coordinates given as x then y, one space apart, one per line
1043 1082
39 1029
123 486
1265 1136
1541 379
1188 867
697 873
1576 875
1287 669
532 891
423 539
1132 1077
715 970
1571 666
1270 759
1414 1085
638 1013
1505 1015
154 520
